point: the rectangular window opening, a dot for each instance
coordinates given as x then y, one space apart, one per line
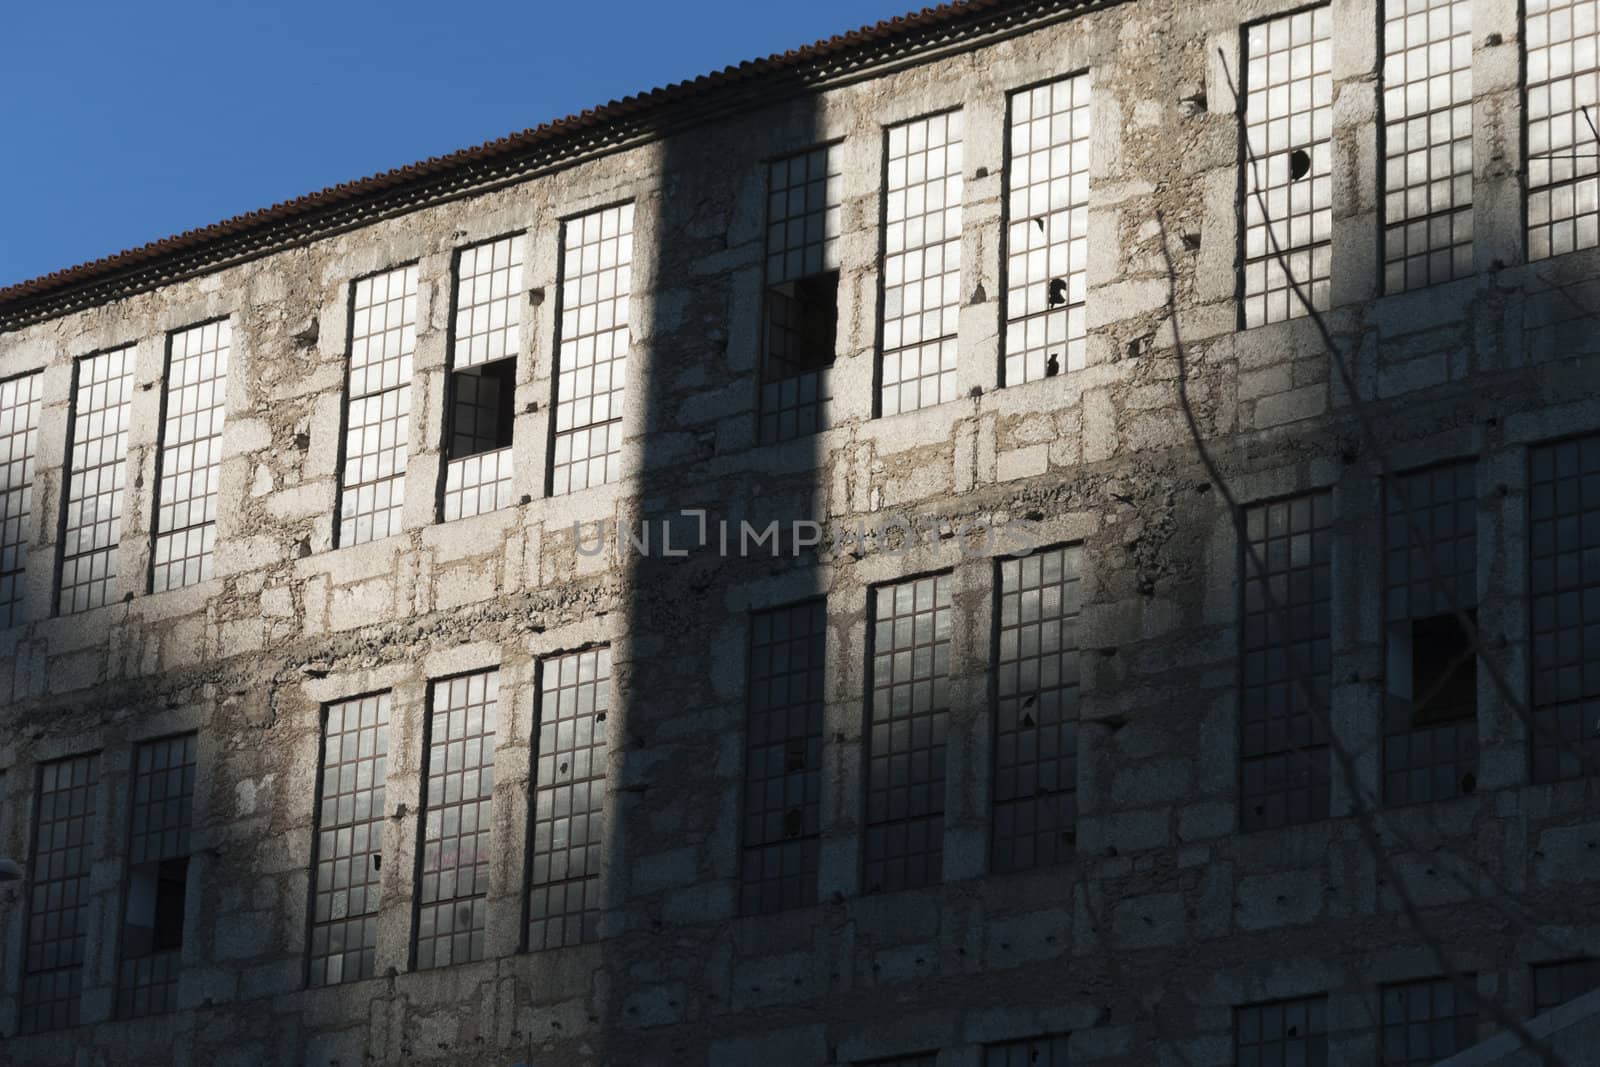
1288 123
1047 231
1561 38
801 312
191 455
1430 713
158 876
783 759
921 279
1424 1022
907 716
383 339
569 783
1563 537
1282 1032
348 849
97 471
56 934
1029 1052
481 407
21 403
1556 983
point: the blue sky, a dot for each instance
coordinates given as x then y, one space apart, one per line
123 122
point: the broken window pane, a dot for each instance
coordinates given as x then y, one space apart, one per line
1564 538
1423 1022
97 474
921 263
1036 720
906 723
1427 138
1281 1032
453 870
383 337
1430 749
348 852
191 455
592 353
21 401
1047 230
1288 115
1283 748
802 298
158 875
1563 76
783 759
483 379
1556 983
564 904
58 893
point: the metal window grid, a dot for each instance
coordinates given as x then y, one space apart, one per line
191 455
921 263
1048 1051
1427 138
453 867
916 1059
1281 1032
804 194
1564 537
570 765
907 720
349 845
783 759
1423 1022
1556 983
163 808
488 285
58 897
21 401
1047 230
383 338
1283 740
591 367
97 478
1036 717
1427 761
1562 43
1287 124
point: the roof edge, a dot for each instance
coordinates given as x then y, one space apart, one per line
639 118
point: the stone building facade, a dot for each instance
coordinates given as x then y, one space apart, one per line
341 726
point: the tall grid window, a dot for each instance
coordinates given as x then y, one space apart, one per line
58 899
1047 230
1423 1022
1029 1052
1427 142
1564 516
1286 646
483 378
1562 41
98 474
907 720
1288 118
783 758
1556 983
383 338
191 455
1281 1032
453 883
158 876
592 357
1036 721
921 264
21 400
569 799
802 301
1430 744
349 845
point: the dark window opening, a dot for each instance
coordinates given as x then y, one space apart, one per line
481 400
154 918
1444 671
802 322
